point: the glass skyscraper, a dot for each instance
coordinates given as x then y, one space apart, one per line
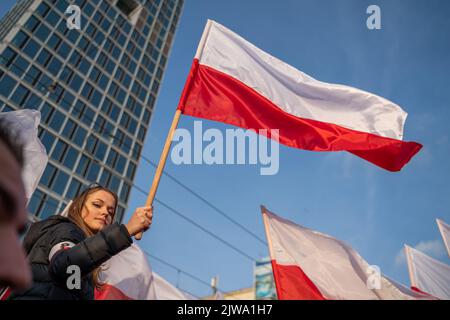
95 87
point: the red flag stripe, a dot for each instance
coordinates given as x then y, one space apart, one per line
109 292
293 284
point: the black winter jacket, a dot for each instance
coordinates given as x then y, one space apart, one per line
50 277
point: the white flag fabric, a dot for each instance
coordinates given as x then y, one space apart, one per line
428 275
314 266
128 276
25 124
445 232
164 290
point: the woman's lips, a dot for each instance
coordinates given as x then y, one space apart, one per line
102 220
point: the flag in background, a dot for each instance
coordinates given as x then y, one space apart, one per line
428 275
128 276
309 265
234 82
445 232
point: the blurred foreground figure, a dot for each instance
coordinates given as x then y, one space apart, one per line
14 269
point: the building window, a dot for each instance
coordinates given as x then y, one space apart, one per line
124 192
74 188
20 39
111 158
7 85
91 143
120 164
32 75
47 140
60 183
54 41
92 172
70 158
52 18
43 57
119 214
64 50
114 183
35 202
100 151
49 207
20 95
57 120
54 66
7 56
46 112
132 125
82 165
43 9
42 33
104 179
79 136
31 24
48 175
59 150
95 72
103 81
76 83
141 133
131 170
68 129
88 116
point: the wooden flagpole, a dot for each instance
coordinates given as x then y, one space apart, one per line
271 254
266 228
161 164
176 118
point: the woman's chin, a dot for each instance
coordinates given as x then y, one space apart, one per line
97 227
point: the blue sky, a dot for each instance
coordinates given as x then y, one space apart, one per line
373 210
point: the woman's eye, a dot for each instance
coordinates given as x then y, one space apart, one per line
97 205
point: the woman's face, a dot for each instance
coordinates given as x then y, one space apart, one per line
98 210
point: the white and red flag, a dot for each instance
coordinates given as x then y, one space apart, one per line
234 82
445 232
428 275
309 265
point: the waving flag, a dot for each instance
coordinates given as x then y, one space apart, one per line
234 82
25 124
445 232
128 276
428 275
309 265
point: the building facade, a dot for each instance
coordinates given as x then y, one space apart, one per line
95 87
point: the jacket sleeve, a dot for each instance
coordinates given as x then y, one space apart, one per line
87 254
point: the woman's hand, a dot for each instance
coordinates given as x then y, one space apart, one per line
140 221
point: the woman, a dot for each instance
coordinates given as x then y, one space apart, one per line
59 247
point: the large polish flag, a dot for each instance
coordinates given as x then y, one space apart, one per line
309 265
428 275
445 232
234 82
128 276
